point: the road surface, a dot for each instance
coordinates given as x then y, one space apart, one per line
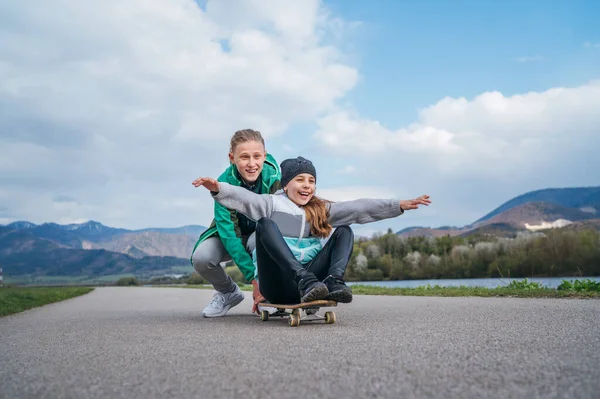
153 343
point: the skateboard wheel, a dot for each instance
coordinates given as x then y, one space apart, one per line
329 317
264 315
294 320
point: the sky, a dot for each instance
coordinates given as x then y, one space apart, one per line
109 110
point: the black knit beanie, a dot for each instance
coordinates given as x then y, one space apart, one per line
292 167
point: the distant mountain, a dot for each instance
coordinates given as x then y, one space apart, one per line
57 234
177 242
96 231
93 231
583 198
583 224
493 229
93 250
150 243
191 230
21 225
21 252
536 210
533 213
427 231
22 241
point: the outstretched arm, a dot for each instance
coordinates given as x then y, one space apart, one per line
254 206
368 210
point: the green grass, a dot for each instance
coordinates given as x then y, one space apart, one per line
516 289
16 299
28 280
474 291
44 280
579 285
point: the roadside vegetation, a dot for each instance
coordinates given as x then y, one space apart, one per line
17 299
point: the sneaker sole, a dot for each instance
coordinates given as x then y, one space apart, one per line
319 292
227 307
340 296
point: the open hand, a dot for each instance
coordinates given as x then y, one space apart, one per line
208 182
406 205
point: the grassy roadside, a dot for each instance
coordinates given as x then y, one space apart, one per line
517 289
15 299
473 291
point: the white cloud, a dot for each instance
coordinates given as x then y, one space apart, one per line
490 135
109 110
350 193
529 59
348 169
345 130
120 105
591 45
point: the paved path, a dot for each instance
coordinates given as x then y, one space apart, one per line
153 343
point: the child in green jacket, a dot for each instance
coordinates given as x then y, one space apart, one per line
227 238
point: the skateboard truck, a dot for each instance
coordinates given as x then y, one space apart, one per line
307 311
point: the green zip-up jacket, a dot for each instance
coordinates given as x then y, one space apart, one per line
227 224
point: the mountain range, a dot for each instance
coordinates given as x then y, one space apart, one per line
535 210
176 242
93 249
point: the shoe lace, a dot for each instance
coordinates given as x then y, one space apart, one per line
218 300
333 280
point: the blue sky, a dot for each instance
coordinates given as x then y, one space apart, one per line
471 102
412 54
432 49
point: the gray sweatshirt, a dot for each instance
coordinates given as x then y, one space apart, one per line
291 218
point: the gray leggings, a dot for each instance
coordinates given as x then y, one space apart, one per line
207 260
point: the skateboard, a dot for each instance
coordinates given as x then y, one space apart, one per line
296 314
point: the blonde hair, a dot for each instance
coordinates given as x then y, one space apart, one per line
243 136
317 213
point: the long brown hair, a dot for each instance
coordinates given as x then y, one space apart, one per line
242 136
317 212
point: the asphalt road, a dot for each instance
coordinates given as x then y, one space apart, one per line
153 343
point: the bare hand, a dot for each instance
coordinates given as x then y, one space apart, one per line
257 296
208 182
406 205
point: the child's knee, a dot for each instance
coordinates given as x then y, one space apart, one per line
264 223
203 261
346 230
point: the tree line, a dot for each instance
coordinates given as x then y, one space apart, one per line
553 253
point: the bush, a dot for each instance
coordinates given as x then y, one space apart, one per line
127 281
196 279
374 275
524 285
554 253
579 285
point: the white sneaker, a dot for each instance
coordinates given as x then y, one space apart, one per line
221 303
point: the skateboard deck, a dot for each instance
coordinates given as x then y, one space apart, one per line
306 311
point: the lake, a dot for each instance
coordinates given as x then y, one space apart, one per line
470 282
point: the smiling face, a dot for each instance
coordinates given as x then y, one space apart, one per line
301 188
249 158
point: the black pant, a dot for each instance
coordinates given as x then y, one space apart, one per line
279 271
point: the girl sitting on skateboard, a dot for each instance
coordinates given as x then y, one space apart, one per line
293 265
